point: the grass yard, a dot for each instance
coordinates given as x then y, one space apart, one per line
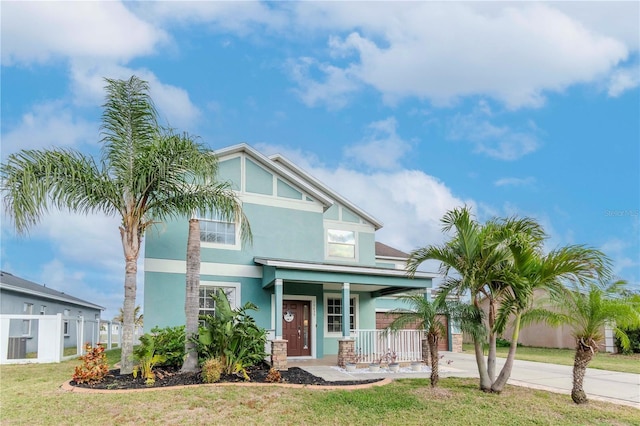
30 394
602 360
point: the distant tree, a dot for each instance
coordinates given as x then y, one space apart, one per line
139 318
587 311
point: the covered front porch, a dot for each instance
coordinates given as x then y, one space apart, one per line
321 309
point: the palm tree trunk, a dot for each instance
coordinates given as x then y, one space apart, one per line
491 357
433 349
131 247
505 373
584 354
485 382
191 306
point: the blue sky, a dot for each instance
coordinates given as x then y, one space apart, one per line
407 109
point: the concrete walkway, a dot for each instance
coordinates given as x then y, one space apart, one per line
619 388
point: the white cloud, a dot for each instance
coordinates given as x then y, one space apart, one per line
514 53
333 91
513 181
47 125
497 141
624 79
383 148
42 31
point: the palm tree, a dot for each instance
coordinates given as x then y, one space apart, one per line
587 312
476 260
428 317
533 270
144 175
139 318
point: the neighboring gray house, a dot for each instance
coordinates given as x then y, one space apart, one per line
21 297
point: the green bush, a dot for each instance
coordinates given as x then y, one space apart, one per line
147 358
169 342
634 338
211 370
232 336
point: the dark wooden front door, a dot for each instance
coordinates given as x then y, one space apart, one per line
296 327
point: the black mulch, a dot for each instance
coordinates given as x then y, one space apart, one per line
166 377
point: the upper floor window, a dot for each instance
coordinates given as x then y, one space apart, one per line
341 243
217 232
43 310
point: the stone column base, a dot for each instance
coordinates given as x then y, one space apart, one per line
279 354
456 342
346 351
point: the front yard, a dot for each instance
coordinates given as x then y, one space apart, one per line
30 394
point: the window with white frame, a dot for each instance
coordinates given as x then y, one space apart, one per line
43 309
341 243
65 323
207 290
333 313
216 231
27 309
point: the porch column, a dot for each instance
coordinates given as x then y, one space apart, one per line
278 289
346 303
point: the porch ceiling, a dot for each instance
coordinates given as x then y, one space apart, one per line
382 281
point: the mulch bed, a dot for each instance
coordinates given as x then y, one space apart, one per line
167 377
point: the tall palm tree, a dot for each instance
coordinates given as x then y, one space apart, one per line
144 175
587 312
139 318
476 260
428 315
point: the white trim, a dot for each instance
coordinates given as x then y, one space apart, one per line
314 319
171 266
235 285
323 267
282 202
356 314
348 226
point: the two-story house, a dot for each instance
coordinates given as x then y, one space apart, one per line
312 268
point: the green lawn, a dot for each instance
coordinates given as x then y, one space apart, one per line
602 361
30 394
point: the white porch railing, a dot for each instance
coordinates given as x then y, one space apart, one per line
376 345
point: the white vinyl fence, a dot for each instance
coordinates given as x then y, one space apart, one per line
44 338
111 334
385 346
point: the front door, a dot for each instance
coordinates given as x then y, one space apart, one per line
296 327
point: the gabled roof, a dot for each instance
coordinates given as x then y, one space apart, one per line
324 188
383 250
11 282
268 164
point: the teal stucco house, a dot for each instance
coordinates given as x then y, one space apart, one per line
312 269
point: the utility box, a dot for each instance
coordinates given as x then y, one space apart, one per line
17 348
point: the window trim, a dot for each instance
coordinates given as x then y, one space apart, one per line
236 246
65 323
27 308
327 244
356 313
235 285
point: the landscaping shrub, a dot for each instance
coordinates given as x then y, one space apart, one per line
211 370
634 338
147 358
274 376
94 365
232 336
169 342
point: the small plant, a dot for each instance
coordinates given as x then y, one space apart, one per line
169 342
274 376
211 370
94 365
146 357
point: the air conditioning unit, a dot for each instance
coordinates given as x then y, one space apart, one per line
17 348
